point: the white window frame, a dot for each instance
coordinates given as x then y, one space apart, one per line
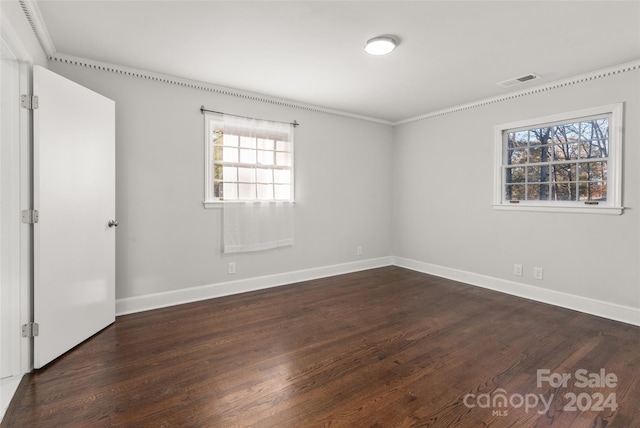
613 204
210 201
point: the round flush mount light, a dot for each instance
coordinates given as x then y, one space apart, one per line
380 45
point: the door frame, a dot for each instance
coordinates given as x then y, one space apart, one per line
22 292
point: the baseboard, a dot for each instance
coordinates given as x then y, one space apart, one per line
193 294
625 314
587 305
8 387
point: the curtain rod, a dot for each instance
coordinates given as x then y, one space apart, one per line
202 110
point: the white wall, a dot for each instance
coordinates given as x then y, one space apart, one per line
389 190
443 184
167 241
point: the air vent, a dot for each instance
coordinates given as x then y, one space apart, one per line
518 80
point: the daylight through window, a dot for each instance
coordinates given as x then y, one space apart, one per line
567 161
248 160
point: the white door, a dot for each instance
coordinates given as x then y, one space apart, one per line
74 194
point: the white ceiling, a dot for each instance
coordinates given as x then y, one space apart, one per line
450 52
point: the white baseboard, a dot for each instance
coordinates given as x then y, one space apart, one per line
8 387
193 294
625 314
587 305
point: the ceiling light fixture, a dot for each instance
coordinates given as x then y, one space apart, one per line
380 45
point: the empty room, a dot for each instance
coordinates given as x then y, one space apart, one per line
320 213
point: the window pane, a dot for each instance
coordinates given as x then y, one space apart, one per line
593 191
264 175
265 191
536 137
229 191
247 175
537 192
539 154
567 133
537 174
586 131
217 171
594 149
564 191
247 156
283 158
265 144
282 191
515 192
282 176
217 153
564 172
517 156
593 171
283 146
601 128
229 154
248 142
515 175
217 137
265 158
230 173
230 140
246 191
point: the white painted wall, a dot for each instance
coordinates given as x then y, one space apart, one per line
167 241
442 196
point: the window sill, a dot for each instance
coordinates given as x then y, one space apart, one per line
560 209
208 205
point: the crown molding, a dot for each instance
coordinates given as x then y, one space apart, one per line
32 13
594 75
203 86
11 38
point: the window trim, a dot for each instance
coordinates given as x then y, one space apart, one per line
208 200
612 206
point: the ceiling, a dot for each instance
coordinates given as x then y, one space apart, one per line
450 52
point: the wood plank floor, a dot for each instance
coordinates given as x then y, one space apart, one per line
385 347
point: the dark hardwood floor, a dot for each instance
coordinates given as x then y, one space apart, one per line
385 347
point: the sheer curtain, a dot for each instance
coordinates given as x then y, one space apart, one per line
262 217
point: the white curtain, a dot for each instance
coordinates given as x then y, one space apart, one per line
253 224
256 226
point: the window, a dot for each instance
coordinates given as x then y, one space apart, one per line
248 160
568 162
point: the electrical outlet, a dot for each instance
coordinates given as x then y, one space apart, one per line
517 270
358 251
537 273
232 268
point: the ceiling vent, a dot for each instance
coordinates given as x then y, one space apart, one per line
518 80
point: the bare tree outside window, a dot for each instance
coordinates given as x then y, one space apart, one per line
560 162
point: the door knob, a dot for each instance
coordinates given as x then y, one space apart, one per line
113 223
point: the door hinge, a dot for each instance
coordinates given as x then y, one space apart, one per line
31 329
29 101
30 216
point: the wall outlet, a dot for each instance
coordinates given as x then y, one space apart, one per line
358 251
537 273
231 268
517 270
